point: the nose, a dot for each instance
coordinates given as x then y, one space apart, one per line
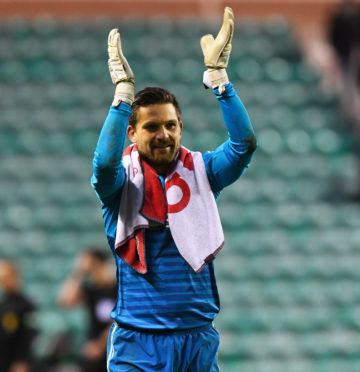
162 133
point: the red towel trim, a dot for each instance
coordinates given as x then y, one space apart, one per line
186 158
133 252
154 205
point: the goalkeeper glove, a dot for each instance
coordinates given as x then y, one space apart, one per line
217 53
120 71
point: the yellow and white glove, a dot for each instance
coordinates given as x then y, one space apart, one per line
217 53
120 71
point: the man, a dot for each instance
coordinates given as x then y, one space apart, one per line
16 331
161 219
92 283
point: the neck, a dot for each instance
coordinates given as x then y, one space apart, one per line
162 170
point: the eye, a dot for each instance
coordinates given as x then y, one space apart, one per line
152 127
171 125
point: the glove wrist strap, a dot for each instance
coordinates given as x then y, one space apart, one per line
124 92
216 78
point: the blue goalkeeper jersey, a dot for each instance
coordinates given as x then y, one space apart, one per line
170 295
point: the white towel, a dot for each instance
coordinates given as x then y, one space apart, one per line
188 202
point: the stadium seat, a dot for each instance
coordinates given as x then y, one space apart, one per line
8 240
73 71
294 95
249 70
18 216
305 74
270 142
13 71
298 141
278 70
326 140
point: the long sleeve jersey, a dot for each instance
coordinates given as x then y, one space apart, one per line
170 295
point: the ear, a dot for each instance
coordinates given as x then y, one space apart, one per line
181 126
131 133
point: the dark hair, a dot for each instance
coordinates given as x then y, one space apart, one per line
152 96
97 253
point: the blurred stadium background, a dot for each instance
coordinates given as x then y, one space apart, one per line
289 275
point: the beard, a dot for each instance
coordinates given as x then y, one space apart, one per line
160 156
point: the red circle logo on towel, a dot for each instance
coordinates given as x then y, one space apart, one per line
179 191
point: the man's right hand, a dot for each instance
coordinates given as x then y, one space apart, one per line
120 70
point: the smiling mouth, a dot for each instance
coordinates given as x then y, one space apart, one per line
161 148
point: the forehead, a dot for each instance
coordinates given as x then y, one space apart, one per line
157 112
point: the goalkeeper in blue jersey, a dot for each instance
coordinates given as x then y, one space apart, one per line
161 220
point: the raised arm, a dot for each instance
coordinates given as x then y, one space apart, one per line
229 161
108 171
226 164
